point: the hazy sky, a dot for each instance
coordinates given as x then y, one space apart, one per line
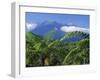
79 20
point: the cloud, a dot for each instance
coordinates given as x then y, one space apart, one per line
31 26
74 28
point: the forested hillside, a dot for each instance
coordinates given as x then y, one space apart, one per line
71 49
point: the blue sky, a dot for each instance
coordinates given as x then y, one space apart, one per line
79 20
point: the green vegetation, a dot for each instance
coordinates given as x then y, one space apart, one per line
44 51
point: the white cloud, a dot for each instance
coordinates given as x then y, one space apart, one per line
74 28
31 26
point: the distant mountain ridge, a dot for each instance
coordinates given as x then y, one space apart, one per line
74 36
46 27
68 37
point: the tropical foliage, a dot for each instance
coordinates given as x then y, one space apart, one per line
46 51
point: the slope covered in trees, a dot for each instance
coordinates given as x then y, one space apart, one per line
70 49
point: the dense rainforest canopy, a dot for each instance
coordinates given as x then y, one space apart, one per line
70 49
